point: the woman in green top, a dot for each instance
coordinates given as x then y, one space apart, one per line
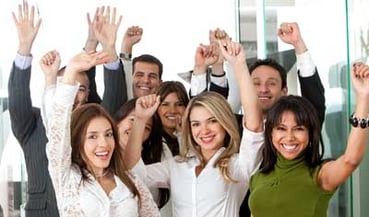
293 179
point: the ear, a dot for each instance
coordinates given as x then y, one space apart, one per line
284 91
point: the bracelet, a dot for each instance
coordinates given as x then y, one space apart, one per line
125 55
355 121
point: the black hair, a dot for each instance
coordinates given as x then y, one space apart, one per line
305 115
273 64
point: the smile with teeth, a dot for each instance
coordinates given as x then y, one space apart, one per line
102 154
264 97
207 139
289 147
144 88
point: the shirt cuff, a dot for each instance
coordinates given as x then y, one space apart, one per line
305 64
198 84
23 62
112 65
220 81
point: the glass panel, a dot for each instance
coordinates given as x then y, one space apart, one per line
326 41
358 44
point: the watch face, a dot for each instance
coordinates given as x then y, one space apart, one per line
125 55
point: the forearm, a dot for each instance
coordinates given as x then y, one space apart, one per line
249 100
133 149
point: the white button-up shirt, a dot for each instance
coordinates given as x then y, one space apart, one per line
208 194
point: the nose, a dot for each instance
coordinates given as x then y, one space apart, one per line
146 79
264 88
172 108
290 135
205 128
103 141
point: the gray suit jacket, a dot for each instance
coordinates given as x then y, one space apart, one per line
30 132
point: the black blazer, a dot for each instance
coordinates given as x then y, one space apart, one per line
30 132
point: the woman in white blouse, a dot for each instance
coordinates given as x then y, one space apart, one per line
85 161
209 178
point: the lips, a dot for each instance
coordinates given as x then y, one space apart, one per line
289 148
103 155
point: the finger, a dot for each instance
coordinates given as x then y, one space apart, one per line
88 19
20 12
32 16
26 15
114 15
119 20
15 18
107 15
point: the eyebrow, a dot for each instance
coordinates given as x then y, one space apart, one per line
210 118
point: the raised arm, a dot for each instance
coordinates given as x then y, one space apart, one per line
234 53
106 27
131 37
205 56
90 46
22 115
310 83
58 148
334 173
146 106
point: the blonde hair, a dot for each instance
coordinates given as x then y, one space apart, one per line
217 105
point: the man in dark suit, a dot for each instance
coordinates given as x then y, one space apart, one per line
26 121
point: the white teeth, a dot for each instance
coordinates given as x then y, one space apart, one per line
289 147
207 138
171 117
101 153
144 88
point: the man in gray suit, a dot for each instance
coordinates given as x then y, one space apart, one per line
26 121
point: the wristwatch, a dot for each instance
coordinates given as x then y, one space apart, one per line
125 55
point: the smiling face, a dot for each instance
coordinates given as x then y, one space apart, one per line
125 128
207 132
288 138
98 145
146 78
268 85
170 111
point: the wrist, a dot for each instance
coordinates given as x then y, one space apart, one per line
198 70
126 56
24 51
362 122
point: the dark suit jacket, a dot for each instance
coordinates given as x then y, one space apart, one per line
30 132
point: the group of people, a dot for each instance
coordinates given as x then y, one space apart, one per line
147 148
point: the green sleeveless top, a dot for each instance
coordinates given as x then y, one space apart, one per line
290 190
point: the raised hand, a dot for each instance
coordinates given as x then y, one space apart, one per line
290 34
26 28
215 35
205 56
82 62
105 28
233 52
146 106
50 63
360 79
132 36
92 41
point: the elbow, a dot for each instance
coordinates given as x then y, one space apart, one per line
352 162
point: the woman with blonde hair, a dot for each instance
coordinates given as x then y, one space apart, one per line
209 178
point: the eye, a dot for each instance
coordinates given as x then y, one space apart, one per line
195 124
213 121
153 76
92 136
109 134
164 104
280 128
300 128
179 104
256 83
